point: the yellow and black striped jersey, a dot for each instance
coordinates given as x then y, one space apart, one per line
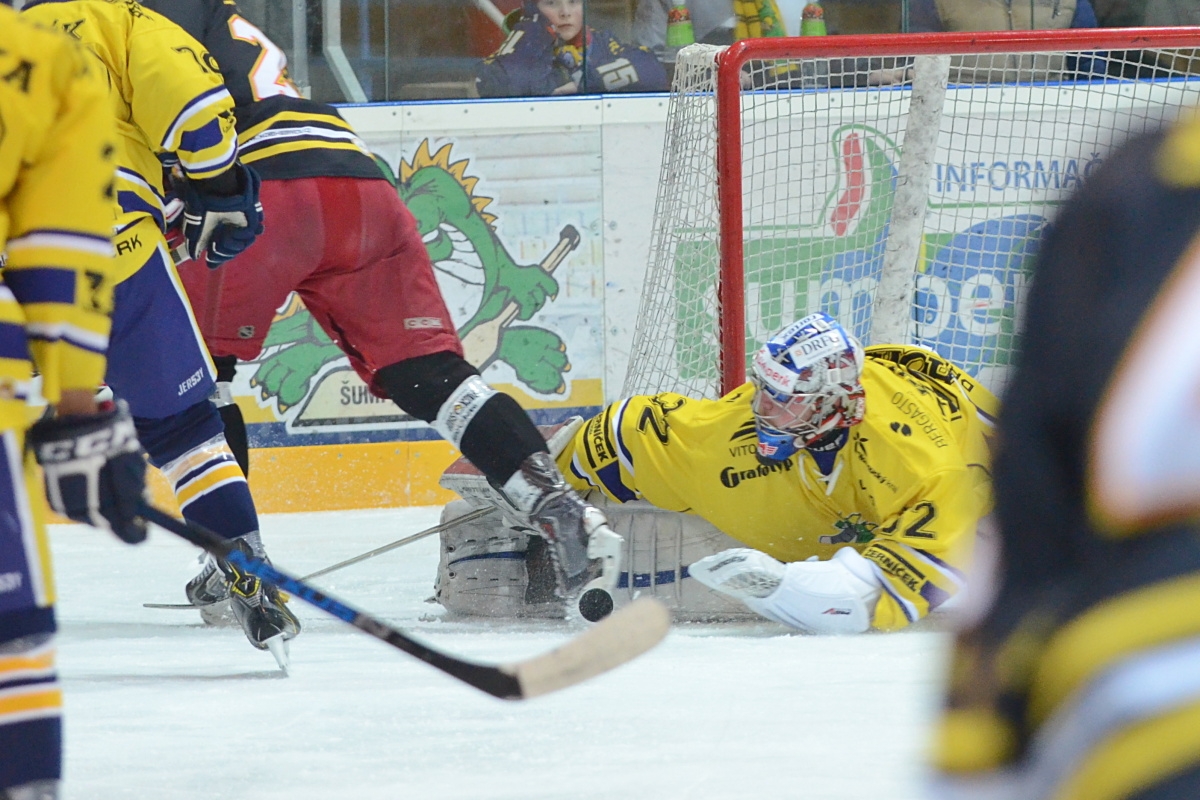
165 91
282 134
906 488
56 184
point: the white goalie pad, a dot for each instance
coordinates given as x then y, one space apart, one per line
482 569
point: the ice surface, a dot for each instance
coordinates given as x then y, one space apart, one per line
159 706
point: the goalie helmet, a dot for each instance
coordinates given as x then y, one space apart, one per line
806 380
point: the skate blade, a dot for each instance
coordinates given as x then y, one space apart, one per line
279 649
218 615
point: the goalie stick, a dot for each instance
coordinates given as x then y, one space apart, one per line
617 639
387 548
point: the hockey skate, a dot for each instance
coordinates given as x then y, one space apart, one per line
224 595
583 550
208 591
261 611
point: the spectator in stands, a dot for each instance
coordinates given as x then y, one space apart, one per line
927 16
933 16
713 22
1119 13
550 51
1172 12
1146 64
1154 13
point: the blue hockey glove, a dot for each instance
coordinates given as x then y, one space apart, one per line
221 226
94 468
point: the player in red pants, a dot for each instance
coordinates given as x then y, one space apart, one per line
339 236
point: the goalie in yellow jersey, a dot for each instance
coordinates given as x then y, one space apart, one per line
854 478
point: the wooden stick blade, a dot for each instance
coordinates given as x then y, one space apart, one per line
614 641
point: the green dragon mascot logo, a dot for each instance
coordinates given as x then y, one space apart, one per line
488 293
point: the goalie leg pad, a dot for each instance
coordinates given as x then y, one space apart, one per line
483 570
659 547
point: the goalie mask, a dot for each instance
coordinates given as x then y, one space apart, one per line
806 380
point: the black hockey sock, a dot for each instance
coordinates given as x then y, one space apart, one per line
236 436
498 437
231 414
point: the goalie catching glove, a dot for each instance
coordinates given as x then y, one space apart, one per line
222 216
834 596
94 468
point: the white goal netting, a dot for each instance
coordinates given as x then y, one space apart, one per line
903 193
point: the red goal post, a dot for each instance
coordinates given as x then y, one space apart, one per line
773 108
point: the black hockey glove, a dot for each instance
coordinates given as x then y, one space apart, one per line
95 470
222 221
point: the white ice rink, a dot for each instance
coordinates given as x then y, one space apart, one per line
160 707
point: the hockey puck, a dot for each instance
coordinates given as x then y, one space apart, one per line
595 605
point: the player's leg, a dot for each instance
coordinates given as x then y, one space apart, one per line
379 300
235 305
158 364
496 435
30 695
231 413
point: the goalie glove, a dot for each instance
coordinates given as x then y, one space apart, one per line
94 468
220 224
834 596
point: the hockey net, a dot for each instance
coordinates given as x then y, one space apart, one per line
900 183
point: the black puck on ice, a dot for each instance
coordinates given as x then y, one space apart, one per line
595 605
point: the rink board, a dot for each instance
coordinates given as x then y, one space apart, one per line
338 477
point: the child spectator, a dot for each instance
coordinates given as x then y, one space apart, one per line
550 51
930 16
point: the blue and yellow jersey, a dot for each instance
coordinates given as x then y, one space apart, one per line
56 181
906 489
165 91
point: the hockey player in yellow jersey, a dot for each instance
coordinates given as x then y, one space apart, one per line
56 176
171 106
875 463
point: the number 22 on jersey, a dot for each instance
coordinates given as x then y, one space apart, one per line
269 75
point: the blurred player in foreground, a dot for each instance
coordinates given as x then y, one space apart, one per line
56 180
340 237
873 463
168 99
1082 681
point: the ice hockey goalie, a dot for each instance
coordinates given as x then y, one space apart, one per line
850 482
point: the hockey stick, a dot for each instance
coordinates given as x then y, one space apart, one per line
387 548
619 638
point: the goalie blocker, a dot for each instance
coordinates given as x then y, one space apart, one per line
498 567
